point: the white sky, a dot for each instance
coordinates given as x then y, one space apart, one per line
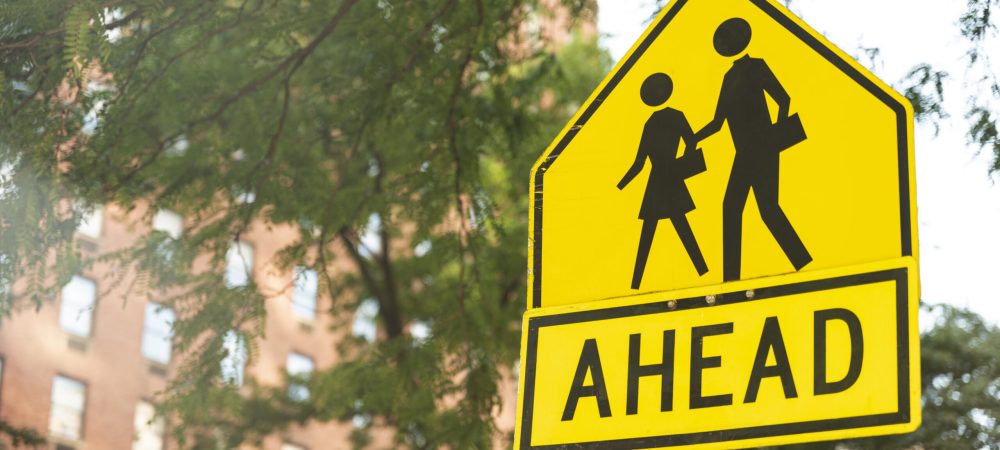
958 205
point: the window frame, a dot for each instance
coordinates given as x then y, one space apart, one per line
158 310
91 312
300 277
240 344
364 322
248 266
174 234
293 388
83 408
135 432
98 213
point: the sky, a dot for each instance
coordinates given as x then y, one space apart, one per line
958 202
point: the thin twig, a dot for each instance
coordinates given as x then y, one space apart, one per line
294 60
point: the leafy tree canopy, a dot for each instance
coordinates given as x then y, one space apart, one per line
405 121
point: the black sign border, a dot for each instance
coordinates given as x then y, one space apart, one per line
902 127
900 416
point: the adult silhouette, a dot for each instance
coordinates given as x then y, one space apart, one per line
666 195
758 144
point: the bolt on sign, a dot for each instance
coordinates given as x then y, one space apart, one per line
723 247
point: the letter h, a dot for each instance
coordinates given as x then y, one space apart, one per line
664 369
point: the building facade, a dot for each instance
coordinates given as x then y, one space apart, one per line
85 369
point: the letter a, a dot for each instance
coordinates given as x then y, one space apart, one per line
590 360
771 341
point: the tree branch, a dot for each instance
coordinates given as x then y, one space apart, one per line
293 61
388 308
391 311
452 133
30 42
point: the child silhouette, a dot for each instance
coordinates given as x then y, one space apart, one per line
666 195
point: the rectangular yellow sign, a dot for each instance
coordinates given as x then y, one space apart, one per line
802 358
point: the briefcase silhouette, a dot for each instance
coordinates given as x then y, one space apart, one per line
786 133
692 163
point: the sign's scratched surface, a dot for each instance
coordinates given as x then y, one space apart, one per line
732 142
827 355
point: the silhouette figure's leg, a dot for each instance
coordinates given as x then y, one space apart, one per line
732 223
690 243
645 241
766 192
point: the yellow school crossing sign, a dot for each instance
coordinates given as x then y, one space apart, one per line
723 246
627 166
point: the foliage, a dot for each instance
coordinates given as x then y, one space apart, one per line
961 389
924 85
19 436
366 126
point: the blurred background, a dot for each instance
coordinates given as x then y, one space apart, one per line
302 224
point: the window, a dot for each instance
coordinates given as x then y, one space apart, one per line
66 417
172 224
168 222
364 325
234 362
156 333
91 223
306 283
239 264
299 366
149 428
77 309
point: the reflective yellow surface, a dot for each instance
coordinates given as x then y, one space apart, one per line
884 399
840 189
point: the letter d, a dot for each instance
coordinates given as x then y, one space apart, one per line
820 318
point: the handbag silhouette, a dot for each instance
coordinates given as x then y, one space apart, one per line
786 133
691 163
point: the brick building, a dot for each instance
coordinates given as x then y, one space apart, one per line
84 369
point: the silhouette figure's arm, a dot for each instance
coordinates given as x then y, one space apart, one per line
716 124
640 160
775 90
